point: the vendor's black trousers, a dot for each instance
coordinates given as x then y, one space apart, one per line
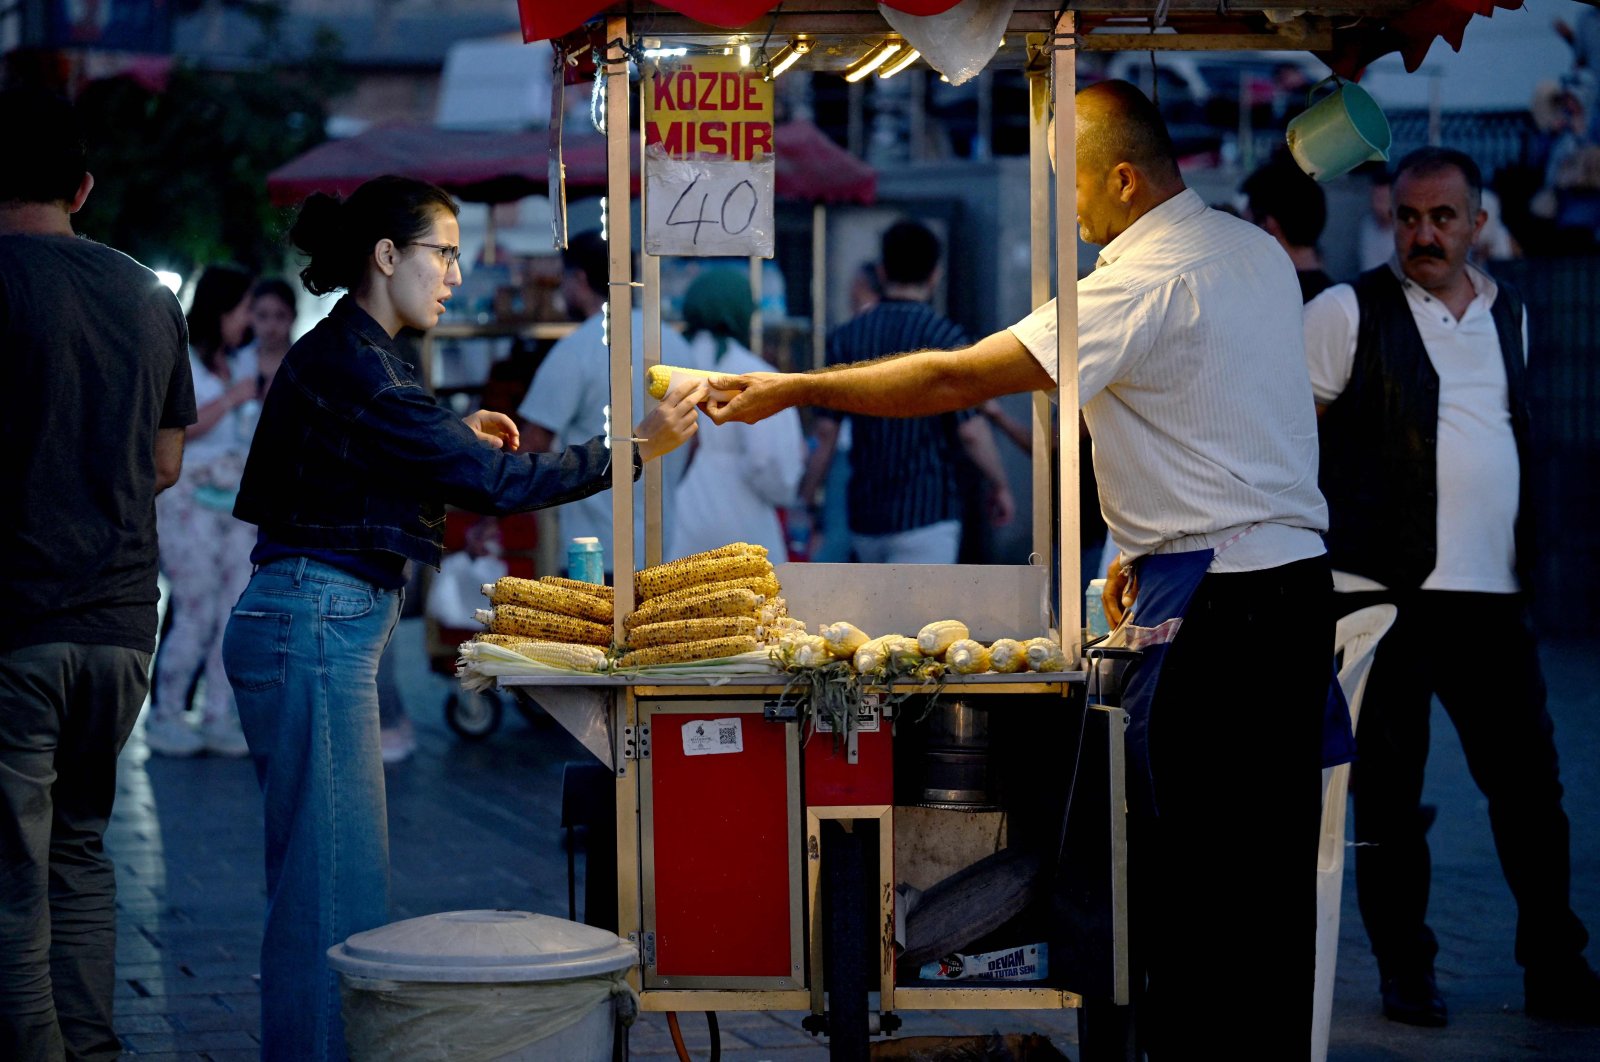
1477 654
1223 879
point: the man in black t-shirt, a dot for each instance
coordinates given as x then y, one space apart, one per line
905 502
94 365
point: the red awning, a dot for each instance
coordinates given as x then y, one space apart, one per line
486 167
543 20
1411 33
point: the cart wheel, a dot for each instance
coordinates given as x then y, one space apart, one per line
474 716
844 870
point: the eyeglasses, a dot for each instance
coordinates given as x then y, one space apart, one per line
449 252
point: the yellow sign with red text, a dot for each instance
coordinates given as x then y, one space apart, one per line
708 159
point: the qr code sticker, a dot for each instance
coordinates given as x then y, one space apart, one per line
727 735
713 737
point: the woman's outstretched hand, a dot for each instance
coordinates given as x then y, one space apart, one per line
671 423
496 429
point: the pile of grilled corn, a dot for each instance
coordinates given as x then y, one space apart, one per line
711 605
554 621
947 641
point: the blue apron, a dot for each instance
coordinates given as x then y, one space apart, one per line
1167 582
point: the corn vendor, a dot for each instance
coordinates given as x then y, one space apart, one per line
1201 411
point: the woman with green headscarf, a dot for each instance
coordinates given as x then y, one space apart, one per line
740 474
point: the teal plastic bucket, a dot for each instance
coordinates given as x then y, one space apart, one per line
1339 132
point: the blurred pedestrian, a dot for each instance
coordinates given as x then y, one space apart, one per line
1420 373
92 354
352 465
272 316
1375 233
1291 207
740 475
570 396
904 497
205 552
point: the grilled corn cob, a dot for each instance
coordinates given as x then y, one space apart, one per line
547 597
774 609
1044 655
683 652
721 603
600 590
652 582
763 586
873 654
1007 656
538 625
939 635
967 657
658 378
844 639
562 654
504 640
690 630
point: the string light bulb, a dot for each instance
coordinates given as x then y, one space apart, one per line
744 55
902 60
879 54
787 56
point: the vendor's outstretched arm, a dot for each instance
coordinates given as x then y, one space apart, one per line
907 385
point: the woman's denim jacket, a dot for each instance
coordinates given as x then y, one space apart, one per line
352 453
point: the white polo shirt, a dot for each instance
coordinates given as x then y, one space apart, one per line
1192 378
1476 463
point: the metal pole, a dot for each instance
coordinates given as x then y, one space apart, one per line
619 228
650 275
1064 68
819 286
755 300
1039 277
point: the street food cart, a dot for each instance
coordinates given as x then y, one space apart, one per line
769 879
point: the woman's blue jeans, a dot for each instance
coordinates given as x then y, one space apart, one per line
302 651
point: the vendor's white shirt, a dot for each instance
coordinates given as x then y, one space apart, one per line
1477 469
1191 379
739 474
569 396
231 435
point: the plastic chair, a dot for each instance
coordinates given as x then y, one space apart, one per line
1355 640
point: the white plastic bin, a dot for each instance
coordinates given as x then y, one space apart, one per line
484 986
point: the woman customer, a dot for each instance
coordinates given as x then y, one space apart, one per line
352 465
740 474
204 550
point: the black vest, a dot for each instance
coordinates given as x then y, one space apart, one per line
1379 441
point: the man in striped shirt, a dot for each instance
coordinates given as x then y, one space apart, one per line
1190 367
905 498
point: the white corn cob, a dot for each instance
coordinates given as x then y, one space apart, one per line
967 657
1007 656
903 652
1044 655
844 639
872 654
562 654
658 378
809 651
939 635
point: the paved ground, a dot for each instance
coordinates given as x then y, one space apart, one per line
477 826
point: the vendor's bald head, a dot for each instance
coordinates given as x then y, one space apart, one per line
1126 163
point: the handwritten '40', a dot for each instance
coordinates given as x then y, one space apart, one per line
720 218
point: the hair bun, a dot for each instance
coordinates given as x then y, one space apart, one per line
316 229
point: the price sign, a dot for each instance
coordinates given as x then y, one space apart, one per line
708 160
